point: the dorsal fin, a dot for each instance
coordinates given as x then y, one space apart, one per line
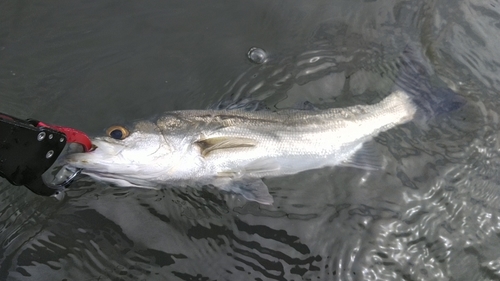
211 144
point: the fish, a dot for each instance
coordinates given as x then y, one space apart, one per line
233 150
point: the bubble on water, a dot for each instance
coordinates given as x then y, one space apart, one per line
257 55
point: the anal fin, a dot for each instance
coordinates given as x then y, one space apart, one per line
367 158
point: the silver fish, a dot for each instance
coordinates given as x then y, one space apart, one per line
234 149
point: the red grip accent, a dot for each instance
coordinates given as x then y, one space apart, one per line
72 135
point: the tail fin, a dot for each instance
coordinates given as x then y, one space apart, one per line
415 80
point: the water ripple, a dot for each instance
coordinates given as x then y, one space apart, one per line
431 214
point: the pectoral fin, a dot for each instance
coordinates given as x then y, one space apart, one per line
255 190
211 144
252 189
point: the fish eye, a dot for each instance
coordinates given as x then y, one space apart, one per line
117 132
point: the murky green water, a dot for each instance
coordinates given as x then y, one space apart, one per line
432 214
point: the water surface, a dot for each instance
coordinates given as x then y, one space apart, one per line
431 214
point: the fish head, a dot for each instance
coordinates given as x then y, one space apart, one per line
126 157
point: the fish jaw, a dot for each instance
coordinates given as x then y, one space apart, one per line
124 163
102 157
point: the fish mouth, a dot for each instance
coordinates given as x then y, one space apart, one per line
97 168
83 162
77 160
106 165
100 156
119 180
91 161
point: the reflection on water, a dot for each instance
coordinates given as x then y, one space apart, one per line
431 214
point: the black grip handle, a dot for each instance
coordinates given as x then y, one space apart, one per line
26 152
